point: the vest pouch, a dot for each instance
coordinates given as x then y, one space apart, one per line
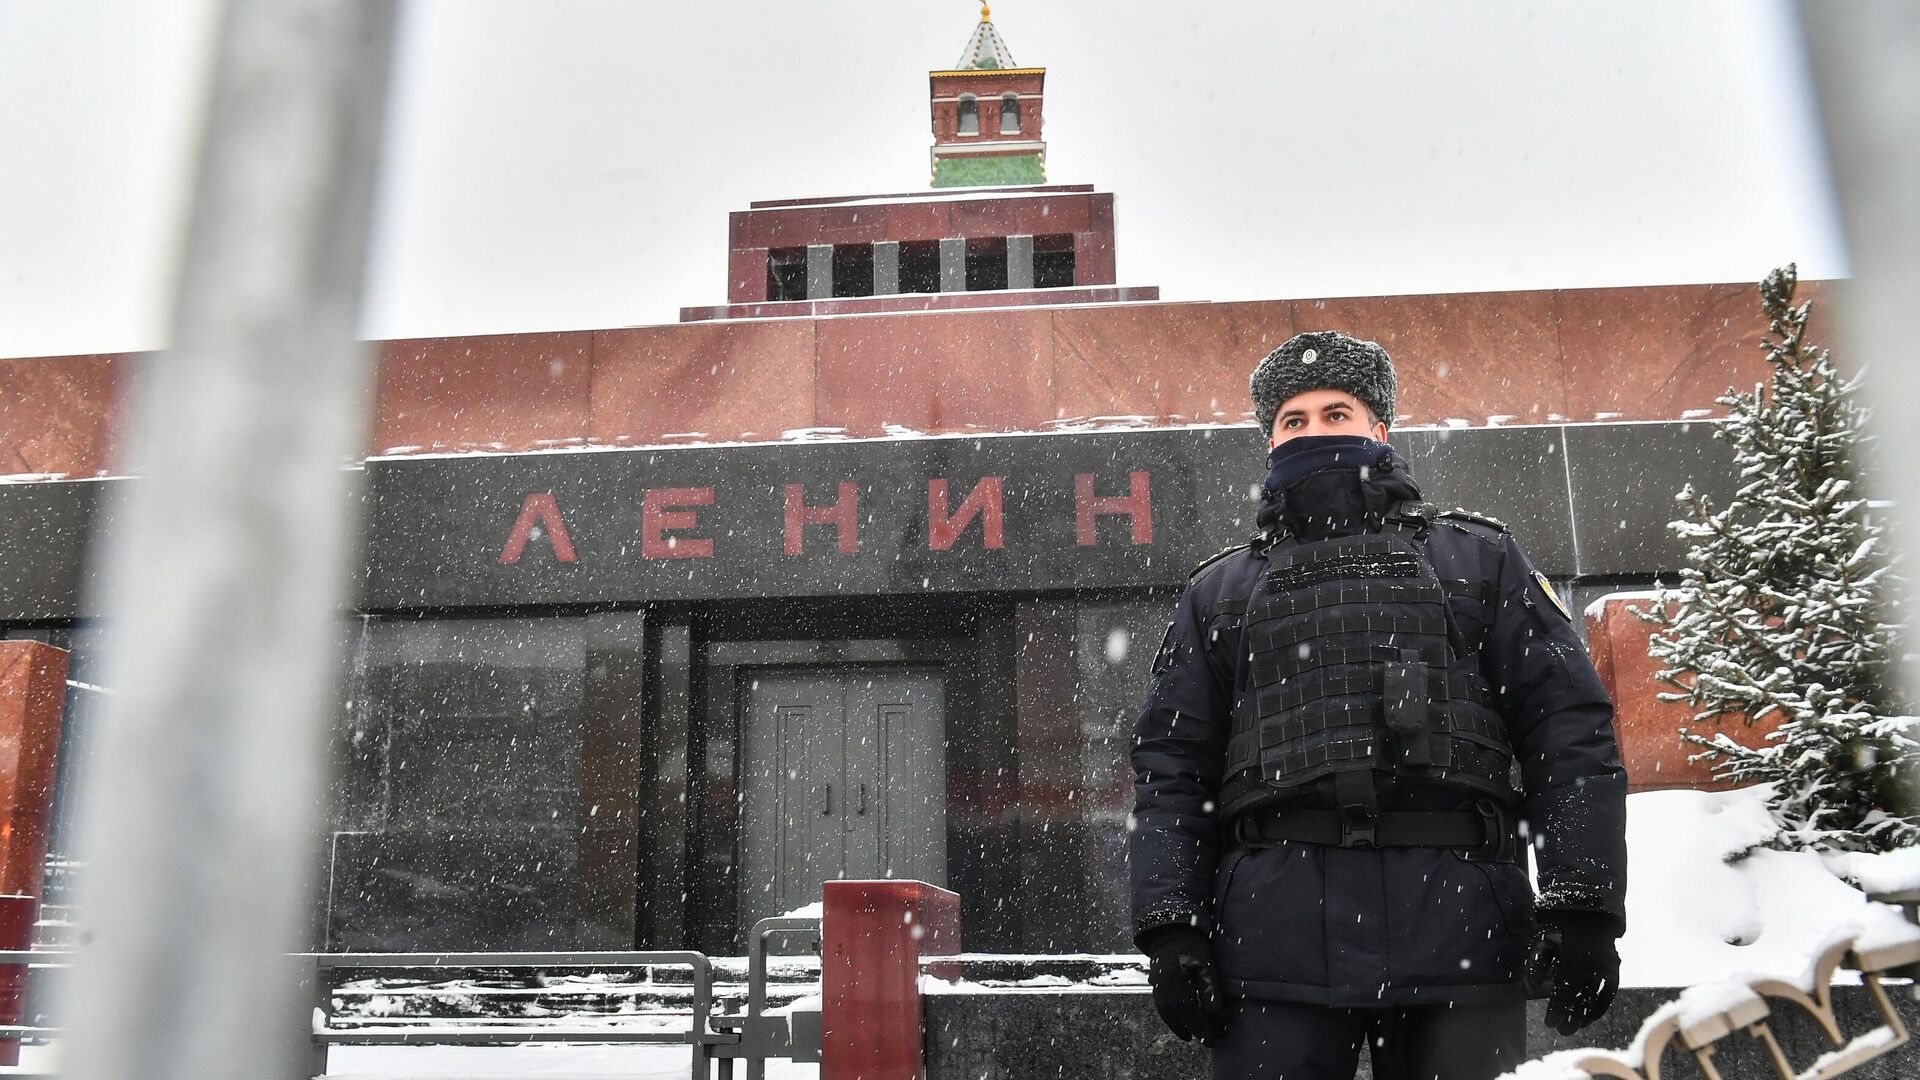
1403 694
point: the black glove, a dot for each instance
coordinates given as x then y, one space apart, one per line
1186 989
1573 960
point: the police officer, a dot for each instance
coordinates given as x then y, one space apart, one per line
1357 726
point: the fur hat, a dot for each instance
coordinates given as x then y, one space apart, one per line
1323 360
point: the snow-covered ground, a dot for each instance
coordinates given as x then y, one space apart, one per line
1692 918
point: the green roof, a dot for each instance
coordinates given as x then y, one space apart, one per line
986 171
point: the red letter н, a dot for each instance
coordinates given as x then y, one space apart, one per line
1137 505
843 515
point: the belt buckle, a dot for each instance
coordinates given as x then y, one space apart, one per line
1357 825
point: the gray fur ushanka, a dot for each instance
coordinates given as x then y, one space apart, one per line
1323 360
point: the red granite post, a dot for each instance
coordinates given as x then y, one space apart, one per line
1649 729
33 684
872 936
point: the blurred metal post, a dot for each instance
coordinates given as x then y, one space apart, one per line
224 580
1866 68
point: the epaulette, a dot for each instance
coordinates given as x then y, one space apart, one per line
1211 559
1478 519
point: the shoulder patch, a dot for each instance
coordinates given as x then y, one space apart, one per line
1215 558
1546 587
1479 519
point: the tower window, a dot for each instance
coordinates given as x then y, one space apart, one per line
787 274
969 116
853 270
1009 114
1053 261
920 266
986 263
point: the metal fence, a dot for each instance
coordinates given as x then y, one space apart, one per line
715 1039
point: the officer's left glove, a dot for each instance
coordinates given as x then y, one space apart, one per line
1186 989
1574 960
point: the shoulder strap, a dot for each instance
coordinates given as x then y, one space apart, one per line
1214 558
1457 514
1414 516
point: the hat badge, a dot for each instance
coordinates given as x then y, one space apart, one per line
1309 356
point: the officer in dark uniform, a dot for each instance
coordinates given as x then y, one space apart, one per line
1357 726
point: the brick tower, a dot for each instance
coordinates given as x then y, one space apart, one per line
986 116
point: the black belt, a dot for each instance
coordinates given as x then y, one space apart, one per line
1486 829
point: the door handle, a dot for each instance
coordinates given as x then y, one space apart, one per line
863 800
826 799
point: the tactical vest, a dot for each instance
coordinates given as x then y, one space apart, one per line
1357 669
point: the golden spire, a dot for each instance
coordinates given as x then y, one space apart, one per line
986 13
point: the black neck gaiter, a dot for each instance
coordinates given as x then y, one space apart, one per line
1321 486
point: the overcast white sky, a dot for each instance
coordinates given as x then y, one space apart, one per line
570 164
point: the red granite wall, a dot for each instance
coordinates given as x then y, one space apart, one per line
1530 357
60 415
1652 353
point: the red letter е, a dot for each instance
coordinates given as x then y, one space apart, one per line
655 520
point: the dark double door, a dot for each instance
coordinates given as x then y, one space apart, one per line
844 776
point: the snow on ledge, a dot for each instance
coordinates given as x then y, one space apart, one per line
1599 605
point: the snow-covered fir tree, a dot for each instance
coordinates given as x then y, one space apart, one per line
1788 608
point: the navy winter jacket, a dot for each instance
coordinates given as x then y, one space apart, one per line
1397 926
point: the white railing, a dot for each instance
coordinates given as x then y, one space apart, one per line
1705 1015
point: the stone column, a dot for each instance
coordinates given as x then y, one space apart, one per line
886 268
33 687
1019 262
819 271
953 264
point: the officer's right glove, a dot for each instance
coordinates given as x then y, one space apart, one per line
1574 960
1186 990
